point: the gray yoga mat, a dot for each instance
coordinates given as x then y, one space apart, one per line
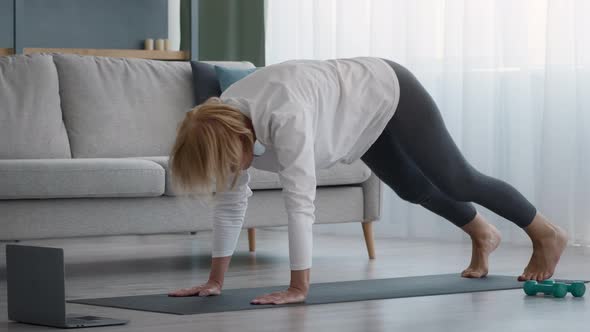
323 293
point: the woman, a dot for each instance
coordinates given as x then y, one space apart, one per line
312 114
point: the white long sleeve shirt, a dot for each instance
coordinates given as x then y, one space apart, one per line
308 114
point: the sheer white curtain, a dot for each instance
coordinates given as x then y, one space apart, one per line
511 77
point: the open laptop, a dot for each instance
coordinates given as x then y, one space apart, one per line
36 289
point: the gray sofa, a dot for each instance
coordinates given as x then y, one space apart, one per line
83 152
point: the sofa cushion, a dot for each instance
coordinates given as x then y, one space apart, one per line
75 178
205 81
340 174
31 123
163 162
118 107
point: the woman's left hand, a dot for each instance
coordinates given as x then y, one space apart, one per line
290 295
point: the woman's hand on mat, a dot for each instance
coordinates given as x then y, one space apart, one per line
290 295
297 291
208 289
219 266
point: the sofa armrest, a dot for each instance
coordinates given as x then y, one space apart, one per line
373 197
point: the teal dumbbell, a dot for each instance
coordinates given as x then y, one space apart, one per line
577 289
556 289
547 287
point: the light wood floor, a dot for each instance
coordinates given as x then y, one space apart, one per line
117 266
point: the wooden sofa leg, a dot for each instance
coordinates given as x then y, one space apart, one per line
252 239
368 233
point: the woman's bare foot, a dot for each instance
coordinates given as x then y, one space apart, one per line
485 238
549 242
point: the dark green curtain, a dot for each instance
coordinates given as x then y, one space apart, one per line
231 30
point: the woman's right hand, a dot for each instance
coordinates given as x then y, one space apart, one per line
208 289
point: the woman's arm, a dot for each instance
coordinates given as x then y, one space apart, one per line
228 218
293 140
219 266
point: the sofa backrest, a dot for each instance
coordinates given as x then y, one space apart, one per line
117 107
31 125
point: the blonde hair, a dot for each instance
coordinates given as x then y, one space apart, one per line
209 147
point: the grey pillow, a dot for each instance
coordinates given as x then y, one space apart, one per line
31 125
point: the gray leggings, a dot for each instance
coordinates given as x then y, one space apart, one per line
417 158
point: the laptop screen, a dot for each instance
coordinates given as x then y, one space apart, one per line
35 282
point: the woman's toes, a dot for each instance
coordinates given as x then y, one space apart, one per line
524 277
177 293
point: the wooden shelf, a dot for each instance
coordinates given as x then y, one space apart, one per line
6 51
141 54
